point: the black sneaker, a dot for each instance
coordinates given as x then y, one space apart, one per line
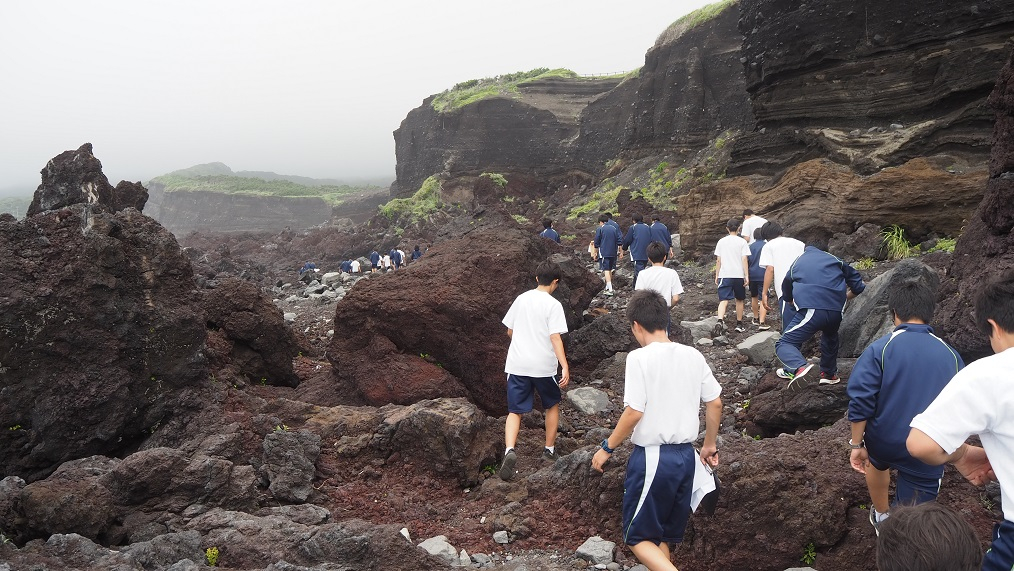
802 378
739 327
507 469
549 455
719 329
763 327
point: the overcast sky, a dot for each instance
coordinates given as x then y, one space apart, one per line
313 88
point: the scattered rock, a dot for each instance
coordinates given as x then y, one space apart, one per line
439 547
701 329
589 400
501 537
596 550
759 348
289 463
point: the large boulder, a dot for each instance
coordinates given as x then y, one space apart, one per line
102 335
434 329
248 333
986 248
867 317
75 177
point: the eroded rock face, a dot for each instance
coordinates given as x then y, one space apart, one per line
434 329
102 335
75 177
986 248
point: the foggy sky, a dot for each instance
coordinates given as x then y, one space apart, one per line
313 87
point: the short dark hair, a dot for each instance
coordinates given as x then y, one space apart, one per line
648 308
758 234
747 212
638 217
603 218
733 224
912 300
928 537
547 223
771 230
608 215
655 218
996 301
547 272
657 252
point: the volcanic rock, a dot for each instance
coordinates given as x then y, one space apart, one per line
103 335
865 242
75 177
289 463
867 317
434 329
248 334
986 248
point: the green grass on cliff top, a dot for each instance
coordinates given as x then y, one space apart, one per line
694 19
224 184
474 90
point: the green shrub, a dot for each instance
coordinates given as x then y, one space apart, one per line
809 554
864 264
895 243
944 245
497 179
602 200
211 554
520 219
417 207
473 90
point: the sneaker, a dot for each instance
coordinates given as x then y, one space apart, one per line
507 469
609 293
753 322
876 519
739 328
802 378
719 329
826 379
763 327
549 455
783 374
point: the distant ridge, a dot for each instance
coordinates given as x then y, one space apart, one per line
221 169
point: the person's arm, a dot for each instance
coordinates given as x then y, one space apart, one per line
557 340
787 288
858 457
854 281
510 333
970 461
675 299
712 421
769 278
746 271
718 267
624 428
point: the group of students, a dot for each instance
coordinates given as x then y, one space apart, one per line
912 403
392 260
609 240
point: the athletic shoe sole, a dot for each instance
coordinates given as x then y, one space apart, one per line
763 327
802 379
507 470
834 381
783 374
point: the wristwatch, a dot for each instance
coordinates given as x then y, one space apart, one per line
861 444
605 446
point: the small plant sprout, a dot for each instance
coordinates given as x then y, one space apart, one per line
281 428
211 554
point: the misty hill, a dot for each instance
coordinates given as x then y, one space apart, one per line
16 205
221 169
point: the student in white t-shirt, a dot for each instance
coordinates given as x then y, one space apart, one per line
659 278
751 222
731 274
664 386
356 266
979 400
776 258
535 323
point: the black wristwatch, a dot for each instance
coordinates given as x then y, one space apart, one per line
605 446
861 444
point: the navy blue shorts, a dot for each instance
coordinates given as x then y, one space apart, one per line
729 288
656 493
1000 555
755 288
521 391
911 489
607 264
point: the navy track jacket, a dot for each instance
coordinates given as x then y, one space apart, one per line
818 280
896 378
607 238
637 239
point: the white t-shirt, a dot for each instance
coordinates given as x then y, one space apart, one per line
533 317
730 250
387 260
355 266
780 253
978 400
749 225
667 382
663 280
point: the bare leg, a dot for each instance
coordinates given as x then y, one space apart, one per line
653 556
739 310
552 424
721 309
878 482
512 428
763 312
609 279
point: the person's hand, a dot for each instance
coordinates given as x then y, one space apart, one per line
975 466
716 279
764 301
564 377
709 455
599 459
746 281
859 458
